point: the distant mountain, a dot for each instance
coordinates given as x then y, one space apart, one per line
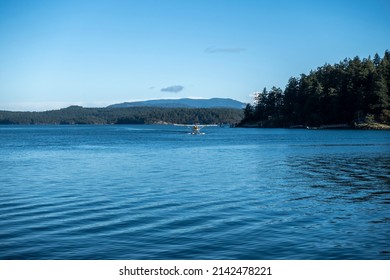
184 103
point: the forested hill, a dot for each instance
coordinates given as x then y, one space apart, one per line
184 103
353 92
135 115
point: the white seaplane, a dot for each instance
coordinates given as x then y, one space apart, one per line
195 128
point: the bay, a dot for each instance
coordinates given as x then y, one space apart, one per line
158 192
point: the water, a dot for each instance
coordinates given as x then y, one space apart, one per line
156 192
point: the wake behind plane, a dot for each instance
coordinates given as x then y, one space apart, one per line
196 128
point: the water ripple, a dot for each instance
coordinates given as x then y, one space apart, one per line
121 193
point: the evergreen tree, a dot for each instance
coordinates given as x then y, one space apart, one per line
332 94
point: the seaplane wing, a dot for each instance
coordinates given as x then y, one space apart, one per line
187 125
195 128
192 125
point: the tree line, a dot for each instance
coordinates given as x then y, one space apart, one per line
350 92
133 115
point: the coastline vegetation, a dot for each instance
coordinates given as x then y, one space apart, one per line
352 93
133 115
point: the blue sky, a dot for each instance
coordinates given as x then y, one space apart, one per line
94 53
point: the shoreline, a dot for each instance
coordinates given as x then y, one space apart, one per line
363 126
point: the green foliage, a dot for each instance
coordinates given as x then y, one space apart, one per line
332 94
133 115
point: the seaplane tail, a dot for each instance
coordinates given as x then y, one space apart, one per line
196 128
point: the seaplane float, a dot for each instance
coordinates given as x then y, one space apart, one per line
196 128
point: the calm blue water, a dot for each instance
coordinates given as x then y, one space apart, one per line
156 192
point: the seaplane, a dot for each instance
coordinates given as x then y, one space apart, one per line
195 128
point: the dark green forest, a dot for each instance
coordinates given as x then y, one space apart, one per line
134 115
353 92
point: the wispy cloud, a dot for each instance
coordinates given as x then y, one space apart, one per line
174 89
223 50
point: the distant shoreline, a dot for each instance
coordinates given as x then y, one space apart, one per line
132 115
362 126
376 126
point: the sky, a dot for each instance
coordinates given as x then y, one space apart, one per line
54 54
